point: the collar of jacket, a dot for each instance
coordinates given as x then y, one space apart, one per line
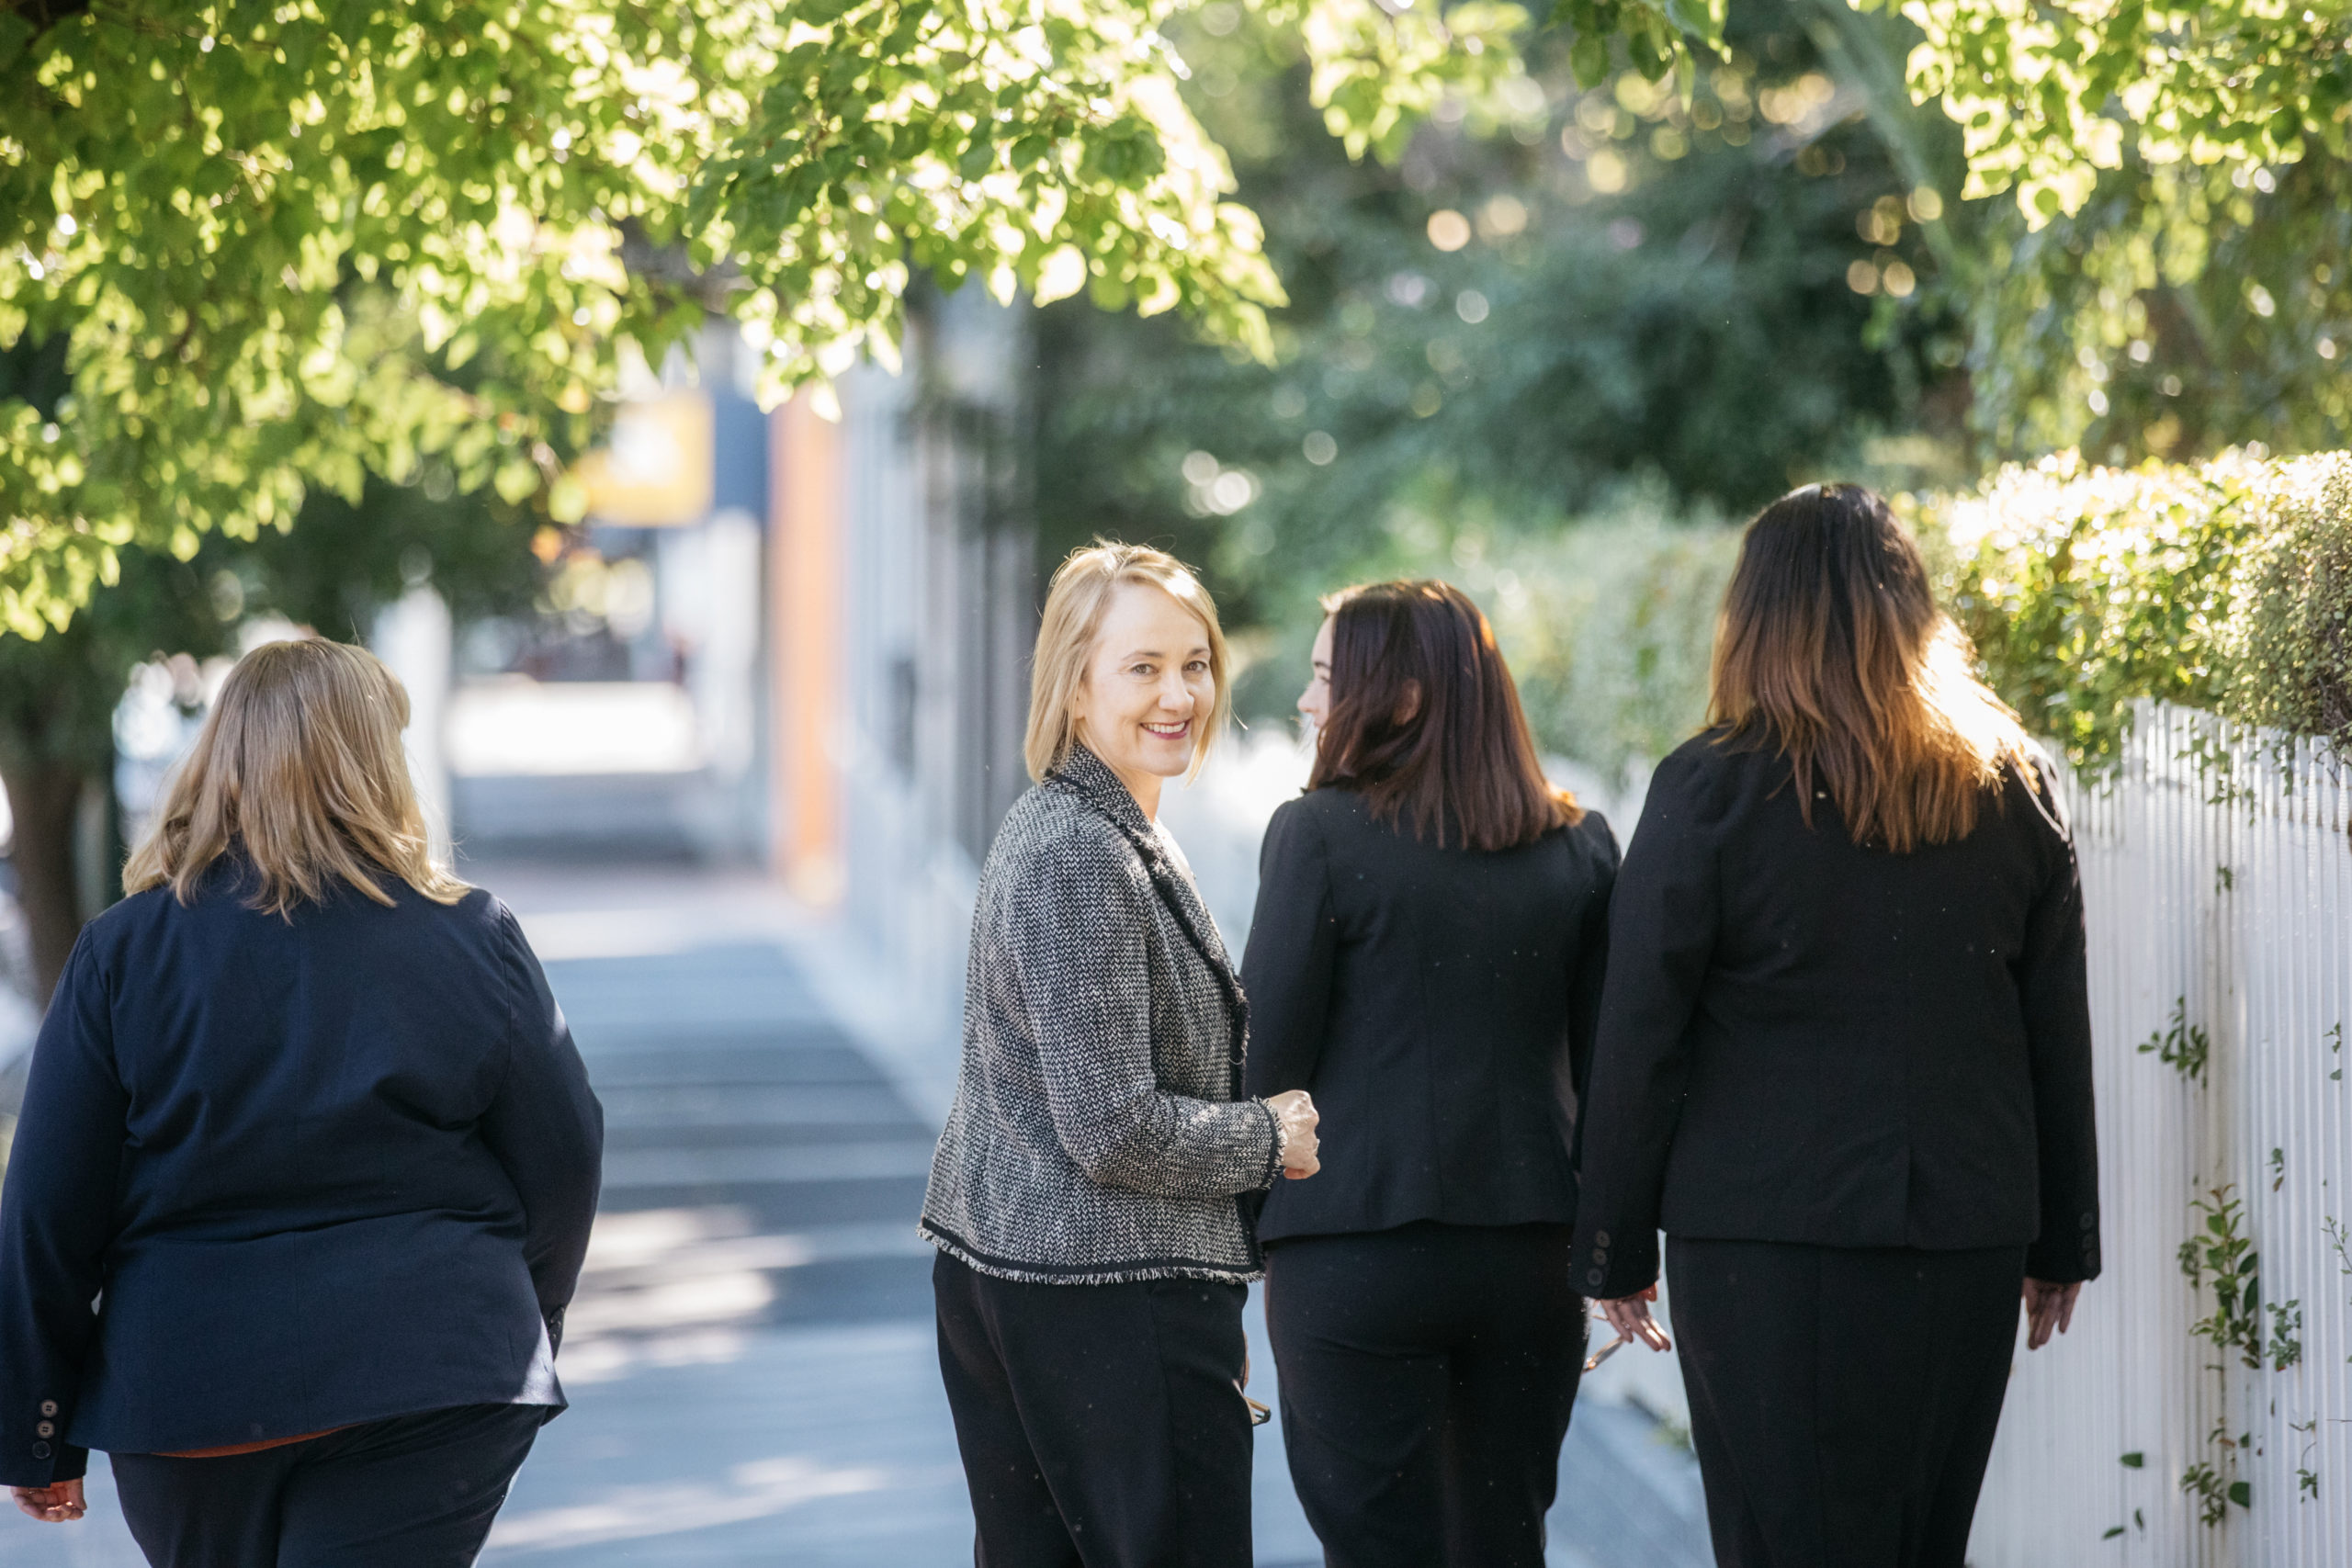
1091 776
1088 776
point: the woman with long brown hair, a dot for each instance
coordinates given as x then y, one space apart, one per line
1426 960
1844 1058
306 1123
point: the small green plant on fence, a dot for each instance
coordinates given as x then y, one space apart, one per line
2223 1254
2306 1478
2286 1333
2339 1237
2215 1487
2184 1046
2335 1038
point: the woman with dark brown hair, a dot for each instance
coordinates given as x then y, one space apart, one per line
1844 1058
1426 960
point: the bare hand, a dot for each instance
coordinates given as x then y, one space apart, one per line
55 1505
1633 1322
1630 1316
2048 1309
1299 1119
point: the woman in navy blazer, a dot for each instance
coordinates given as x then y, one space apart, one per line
306 1124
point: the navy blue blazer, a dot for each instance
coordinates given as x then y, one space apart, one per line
312 1171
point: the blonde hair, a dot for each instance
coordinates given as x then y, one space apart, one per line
1074 605
298 769
1832 653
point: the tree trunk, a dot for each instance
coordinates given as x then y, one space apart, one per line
45 799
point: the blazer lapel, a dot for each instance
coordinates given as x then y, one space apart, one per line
1089 777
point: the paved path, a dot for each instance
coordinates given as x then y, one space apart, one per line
751 1363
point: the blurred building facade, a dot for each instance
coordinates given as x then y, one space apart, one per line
781 639
937 596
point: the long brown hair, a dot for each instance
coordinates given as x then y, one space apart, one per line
1833 654
298 769
1426 723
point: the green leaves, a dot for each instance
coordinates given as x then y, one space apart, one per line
2049 96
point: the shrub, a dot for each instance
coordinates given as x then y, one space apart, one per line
2225 586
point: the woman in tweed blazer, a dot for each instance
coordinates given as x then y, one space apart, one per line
1093 1193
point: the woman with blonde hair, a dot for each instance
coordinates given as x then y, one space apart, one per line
307 1124
1844 1058
1092 1197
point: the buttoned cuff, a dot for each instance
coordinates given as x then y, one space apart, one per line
40 1456
1608 1266
2067 1251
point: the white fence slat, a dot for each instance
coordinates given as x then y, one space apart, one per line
2228 891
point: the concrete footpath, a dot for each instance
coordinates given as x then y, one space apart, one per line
751 1362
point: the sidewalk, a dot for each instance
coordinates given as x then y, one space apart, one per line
751 1362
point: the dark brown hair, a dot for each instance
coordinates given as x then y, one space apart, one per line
1833 654
1425 721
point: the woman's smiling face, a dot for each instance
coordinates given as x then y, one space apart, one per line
1148 690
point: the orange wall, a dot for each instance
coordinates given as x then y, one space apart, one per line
805 588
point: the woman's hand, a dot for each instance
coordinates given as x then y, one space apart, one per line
1299 1119
2048 1309
57 1505
1630 1316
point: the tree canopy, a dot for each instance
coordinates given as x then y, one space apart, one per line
252 246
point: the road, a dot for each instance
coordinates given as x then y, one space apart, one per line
751 1363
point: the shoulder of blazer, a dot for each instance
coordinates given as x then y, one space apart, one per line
1595 842
1702 780
1051 829
1327 812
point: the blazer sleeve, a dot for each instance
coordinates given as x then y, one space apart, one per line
1294 947
2053 992
1081 968
56 1221
546 1127
1591 970
1662 921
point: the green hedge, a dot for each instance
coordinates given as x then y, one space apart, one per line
2225 586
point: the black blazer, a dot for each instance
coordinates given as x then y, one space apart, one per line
1803 1040
1439 1005
324 1169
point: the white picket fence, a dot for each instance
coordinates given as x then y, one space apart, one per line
2224 892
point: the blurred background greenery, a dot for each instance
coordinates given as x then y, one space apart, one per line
1566 342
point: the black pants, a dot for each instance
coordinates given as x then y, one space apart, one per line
1427 1374
1099 1424
413 1492
1843 1401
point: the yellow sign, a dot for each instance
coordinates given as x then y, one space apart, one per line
656 470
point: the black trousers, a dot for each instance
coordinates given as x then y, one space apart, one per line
413 1491
1427 1374
1099 1424
1843 1400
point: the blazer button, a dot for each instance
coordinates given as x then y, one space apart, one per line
1600 1238
40 1450
1595 1277
1601 1255
46 1429
49 1407
2091 1219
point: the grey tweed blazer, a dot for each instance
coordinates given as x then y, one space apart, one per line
1098 1132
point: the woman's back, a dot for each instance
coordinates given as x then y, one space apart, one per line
1437 1001
326 1167
1864 1037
